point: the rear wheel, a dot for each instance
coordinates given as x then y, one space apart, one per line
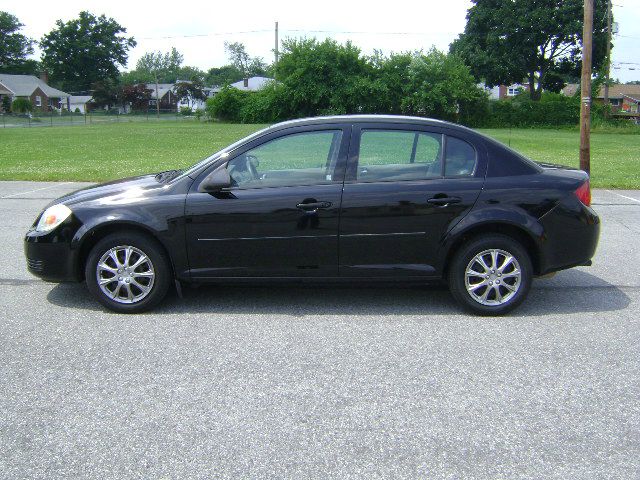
491 274
128 272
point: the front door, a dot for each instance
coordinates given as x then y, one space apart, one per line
280 217
405 188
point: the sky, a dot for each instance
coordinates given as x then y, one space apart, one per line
200 28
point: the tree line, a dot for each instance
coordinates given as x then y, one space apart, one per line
504 42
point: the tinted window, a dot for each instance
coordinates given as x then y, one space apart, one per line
460 158
391 155
299 159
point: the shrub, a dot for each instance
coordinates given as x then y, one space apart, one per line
227 104
21 105
186 111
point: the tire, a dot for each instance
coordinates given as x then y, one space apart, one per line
134 288
505 288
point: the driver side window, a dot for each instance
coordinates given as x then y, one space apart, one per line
307 158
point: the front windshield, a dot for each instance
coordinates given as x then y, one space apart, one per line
195 168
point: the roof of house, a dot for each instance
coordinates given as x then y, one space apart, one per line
163 89
621 90
25 85
617 90
255 83
80 99
4 92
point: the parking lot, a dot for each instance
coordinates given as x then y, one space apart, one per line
335 382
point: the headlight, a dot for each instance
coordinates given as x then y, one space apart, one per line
52 217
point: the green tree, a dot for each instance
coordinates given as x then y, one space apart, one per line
227 104
14 46
6 103
225 75
324 78
21 105
440 86
160 67
190 91
106 93
247 66
507 41
85 50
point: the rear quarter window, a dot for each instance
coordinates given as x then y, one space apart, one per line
504 162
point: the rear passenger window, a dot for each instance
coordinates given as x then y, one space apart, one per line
392 155
460 158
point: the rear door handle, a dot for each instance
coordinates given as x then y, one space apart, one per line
313 206
443 201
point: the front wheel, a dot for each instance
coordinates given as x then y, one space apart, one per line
491 274
128 272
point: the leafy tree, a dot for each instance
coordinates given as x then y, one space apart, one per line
439 86
6 103
137 96
190 91
160 67
85 50
21 105
324 78
506 41
225 75
14 46
106 93
243 62
227 104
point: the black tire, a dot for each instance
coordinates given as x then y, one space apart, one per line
155 289
468 252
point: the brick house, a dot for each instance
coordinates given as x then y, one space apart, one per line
42 96
622 98
501 92
168 98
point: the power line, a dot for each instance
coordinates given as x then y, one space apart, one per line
211 34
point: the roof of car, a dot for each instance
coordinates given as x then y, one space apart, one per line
400 119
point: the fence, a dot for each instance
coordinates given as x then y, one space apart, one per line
55 119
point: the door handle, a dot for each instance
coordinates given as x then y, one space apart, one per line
443 201
313 206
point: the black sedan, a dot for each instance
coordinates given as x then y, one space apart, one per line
338 199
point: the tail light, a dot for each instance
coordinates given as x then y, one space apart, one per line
584 193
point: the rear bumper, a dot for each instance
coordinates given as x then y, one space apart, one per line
571 235
51 259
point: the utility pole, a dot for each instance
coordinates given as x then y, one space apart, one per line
275 69
608 60
157 99
585 92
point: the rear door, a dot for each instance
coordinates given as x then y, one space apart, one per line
280 217
406 186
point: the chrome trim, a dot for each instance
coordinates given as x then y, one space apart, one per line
264 238
382 234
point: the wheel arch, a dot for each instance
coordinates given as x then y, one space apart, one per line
97 233
518 233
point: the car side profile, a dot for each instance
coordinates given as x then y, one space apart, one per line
355 199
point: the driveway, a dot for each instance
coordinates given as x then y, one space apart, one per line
322 382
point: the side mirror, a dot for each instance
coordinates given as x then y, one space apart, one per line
215 181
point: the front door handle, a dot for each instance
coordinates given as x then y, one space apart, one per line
443 201
313 206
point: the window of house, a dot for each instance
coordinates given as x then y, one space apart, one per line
38 101
614 101
513 91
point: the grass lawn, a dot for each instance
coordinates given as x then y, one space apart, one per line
105 152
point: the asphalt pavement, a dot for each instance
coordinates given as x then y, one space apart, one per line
335 382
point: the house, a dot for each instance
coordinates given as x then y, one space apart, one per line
168 99
80 102
500 92
42 96
252 84
622 98
198 104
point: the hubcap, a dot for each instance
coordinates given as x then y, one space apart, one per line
125 274
493 277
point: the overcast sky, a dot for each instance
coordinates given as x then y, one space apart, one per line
198 29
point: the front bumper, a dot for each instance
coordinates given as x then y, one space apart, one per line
51 255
